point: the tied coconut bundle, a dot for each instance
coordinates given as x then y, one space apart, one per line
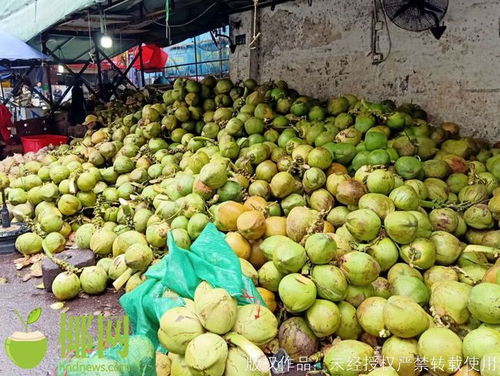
356 220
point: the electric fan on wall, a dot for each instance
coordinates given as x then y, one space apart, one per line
417 15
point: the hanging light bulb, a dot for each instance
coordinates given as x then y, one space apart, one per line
60 68
106 41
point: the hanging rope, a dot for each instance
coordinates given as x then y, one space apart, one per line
167 25
91 55
255 34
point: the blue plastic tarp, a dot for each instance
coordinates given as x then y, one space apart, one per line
14 49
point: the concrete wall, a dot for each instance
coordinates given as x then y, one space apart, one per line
322 51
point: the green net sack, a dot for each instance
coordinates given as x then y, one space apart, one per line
210 259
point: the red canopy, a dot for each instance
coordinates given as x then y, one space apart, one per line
153 58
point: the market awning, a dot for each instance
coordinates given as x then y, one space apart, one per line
14 51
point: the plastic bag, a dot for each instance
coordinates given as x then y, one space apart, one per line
210 259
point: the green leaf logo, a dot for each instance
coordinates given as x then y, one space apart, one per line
27 349
34 315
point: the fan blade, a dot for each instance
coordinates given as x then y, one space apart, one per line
438 31
402 10
432 7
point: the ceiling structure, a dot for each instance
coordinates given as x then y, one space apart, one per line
70 29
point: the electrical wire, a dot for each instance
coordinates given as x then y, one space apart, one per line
190 21
388 32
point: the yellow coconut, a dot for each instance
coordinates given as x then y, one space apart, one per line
275 226
251 224
239 245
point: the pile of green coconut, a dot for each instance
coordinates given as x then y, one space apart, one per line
369 233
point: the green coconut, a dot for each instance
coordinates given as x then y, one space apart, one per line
289 257
370 315
401 226
402 270
282 184
51 222
269 276
357 294
101 242
448 247
54 243
125 240
206 355
349 327
300 221
297 292
320 248
404 318
105 263
442 350
138 257
331 284
412 287
483 303
213 175
420 253
479 342
439 274
256 323
84 234
401 354
323 317
363 224
339 357
93 280
376 202
385 253
360 268
449 301
134 281
66 286
117 267
178 326
383 371
489 363
156 234
29 243
216 309
248 270
405 198
140 219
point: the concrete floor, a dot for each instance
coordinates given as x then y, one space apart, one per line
23 297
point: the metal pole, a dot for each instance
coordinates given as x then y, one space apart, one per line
99 73
220 60
47 71
141 60
195 59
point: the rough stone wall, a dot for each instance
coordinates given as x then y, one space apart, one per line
322 51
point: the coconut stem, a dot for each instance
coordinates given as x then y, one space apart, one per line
66 266
25 324
254 353
121 280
